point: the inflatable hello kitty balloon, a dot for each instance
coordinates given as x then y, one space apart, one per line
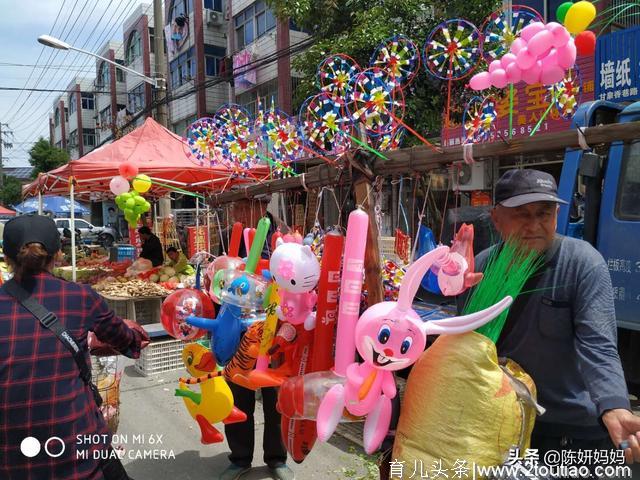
391 336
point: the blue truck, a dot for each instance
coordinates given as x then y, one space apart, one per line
602 187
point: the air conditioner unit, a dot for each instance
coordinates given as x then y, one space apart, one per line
467 177
213 17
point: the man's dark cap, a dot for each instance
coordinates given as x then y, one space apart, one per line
519 187
26 229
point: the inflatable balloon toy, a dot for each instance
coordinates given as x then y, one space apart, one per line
296 270
184 303
237 290
391 336
133 205
225 262
214 403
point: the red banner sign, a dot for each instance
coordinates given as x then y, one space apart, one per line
197 243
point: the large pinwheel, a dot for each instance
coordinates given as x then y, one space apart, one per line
452 49
374 103
399 57
502 27
567 93
325 124
279 135
234 136
335 74
202 138
479 119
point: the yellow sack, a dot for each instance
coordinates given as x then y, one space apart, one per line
459 404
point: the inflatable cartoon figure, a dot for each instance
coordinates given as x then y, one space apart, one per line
296 270
391 336
214 403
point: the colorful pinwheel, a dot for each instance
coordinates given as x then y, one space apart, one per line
400 58
374 103
279 135
234 136
388 141
567 93
479 119
452 49
201 138
335 74
325 125
502 27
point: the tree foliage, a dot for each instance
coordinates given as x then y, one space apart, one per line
44 157
11 192
357 27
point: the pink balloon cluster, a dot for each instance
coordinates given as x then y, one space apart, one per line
541 54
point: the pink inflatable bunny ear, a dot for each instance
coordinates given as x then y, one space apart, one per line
415 272
466 323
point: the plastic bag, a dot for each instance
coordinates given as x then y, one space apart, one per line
460 404
139 266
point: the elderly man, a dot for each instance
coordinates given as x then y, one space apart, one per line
563 332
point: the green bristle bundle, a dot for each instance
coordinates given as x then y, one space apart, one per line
506 272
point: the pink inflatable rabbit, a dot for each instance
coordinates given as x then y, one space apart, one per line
391 336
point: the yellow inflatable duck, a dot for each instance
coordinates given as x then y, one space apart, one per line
214 403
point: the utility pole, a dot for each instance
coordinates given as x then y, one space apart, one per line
160 63
6 144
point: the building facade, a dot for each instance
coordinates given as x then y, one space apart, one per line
59 122
81 138
110 91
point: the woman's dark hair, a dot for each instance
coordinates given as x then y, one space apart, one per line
31 260
172 249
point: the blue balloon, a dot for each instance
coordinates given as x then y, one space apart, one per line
426 243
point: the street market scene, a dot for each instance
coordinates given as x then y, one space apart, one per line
296 239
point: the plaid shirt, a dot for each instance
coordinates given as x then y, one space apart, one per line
41 392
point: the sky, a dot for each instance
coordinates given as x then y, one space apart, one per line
87 24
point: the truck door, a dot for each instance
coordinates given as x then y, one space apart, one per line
588 115
619 223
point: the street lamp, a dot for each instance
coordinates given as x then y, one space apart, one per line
53 42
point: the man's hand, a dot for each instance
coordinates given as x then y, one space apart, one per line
624 428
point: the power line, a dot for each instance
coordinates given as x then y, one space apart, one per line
51 90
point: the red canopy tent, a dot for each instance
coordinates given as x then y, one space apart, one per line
5 212
157 152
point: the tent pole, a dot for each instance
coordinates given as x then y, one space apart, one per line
39 202
208 230
197 225
72 225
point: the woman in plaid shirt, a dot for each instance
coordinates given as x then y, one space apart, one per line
41 393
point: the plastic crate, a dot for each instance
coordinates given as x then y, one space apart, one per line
147 311
161 356
126 252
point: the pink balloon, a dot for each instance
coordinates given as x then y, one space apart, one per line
496 64
507 59
480 81
119 185
551 59
517 45
532 74
499 78
540 44
552 74
567 55
561 36
514 74
530 30
524 59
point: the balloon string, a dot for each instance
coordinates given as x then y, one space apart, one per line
271 162
175 189
544 115
448 114
416 134
367 147
511 110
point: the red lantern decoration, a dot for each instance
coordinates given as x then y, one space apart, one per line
586 43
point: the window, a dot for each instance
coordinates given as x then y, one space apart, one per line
88 137
213 55
152 40
627 204
88 102
62 223
183 68
81 223
119 72
104 77
104 119
134 47
56 117
253 22
213 5
66 114
180 7
136 99
73 139
73 103
268 93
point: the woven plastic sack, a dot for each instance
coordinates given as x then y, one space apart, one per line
460 404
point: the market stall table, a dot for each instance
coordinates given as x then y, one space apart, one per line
143 310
